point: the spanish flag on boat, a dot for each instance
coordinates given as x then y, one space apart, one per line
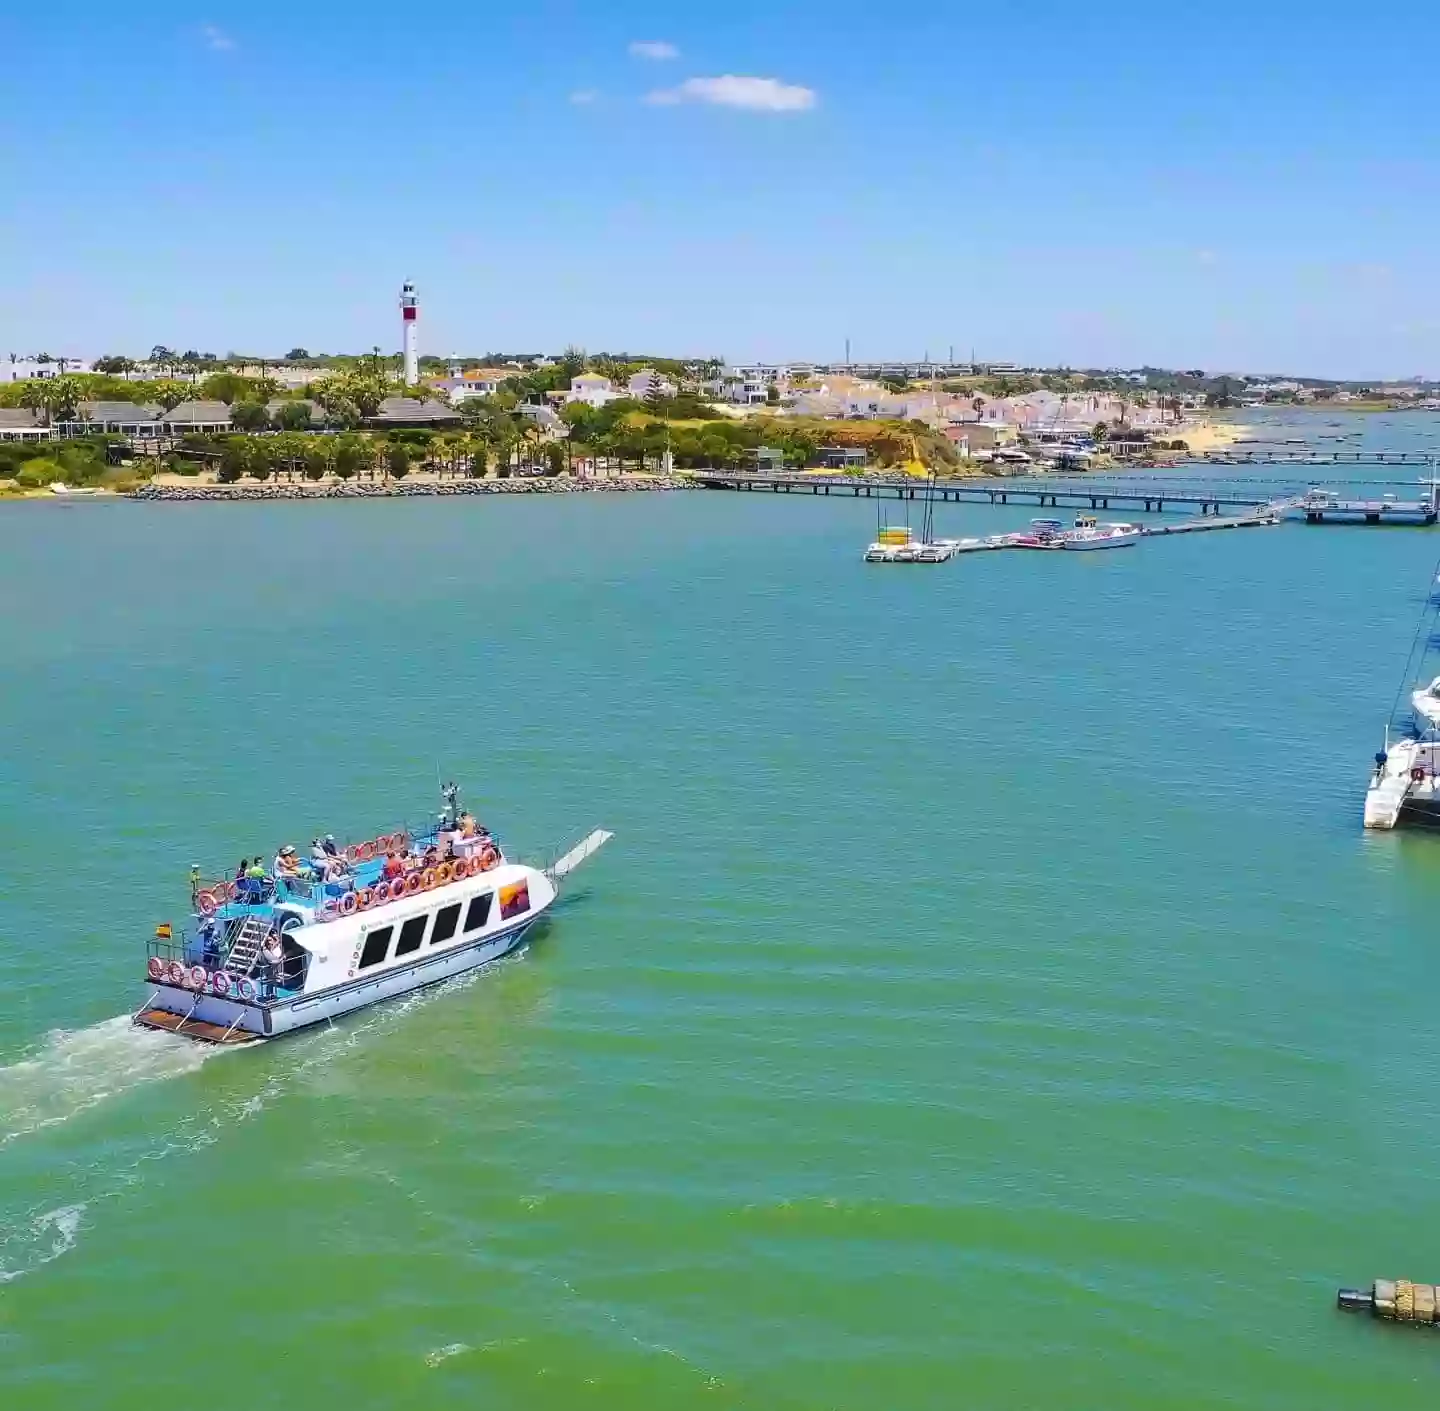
162 931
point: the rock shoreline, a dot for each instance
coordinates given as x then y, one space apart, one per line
389 489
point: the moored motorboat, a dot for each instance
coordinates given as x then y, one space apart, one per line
268 954
1089 536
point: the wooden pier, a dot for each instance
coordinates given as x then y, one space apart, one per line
1151 496
1148 494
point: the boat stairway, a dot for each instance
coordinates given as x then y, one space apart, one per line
246 948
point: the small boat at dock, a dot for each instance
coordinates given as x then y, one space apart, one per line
269 954
1088 535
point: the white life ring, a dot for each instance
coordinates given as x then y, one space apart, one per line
197 977
247 990
155 968
175 973
220 983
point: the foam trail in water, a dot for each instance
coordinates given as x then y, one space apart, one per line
75 1069
59 1228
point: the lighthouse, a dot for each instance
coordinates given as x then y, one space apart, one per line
409 314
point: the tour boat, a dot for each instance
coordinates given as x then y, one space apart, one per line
1088 535
268 955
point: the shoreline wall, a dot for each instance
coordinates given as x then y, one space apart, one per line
393 489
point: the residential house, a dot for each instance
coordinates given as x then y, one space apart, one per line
545 417
398 412
842 457
592 389
14 368
122 418
647 382
208 417
22 424
464 384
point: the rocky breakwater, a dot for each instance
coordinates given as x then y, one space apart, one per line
390 489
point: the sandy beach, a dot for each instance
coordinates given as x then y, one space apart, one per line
1212 434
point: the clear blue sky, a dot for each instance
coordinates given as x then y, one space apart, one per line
1224 186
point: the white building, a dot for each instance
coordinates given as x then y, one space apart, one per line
592 389
16 367
647 382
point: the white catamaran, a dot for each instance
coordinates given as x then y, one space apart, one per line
1405 781
271 953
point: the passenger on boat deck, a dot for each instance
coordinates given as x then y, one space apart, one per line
432 857
255 880
467 825
319 858
329 845
393 866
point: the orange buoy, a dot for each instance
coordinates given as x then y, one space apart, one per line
206 902
363 898
412 884
443 874
427 878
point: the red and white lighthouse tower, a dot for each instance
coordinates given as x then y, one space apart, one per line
410 314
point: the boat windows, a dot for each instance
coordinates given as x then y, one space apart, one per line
479 912
447 922
411 934
377 943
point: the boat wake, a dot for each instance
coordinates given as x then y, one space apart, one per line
74 1070
47 1237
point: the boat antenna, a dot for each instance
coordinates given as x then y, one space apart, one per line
1431 608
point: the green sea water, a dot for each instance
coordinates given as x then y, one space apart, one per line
989 998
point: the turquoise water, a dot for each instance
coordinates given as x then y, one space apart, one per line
989 998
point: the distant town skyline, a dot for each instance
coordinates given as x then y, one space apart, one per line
1137 188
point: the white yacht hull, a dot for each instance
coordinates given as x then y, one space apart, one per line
1406 791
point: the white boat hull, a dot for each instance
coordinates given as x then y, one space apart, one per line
338 980
1084 542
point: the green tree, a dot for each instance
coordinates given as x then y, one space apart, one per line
397 460
234 460
297 355
114 365
249 416
554 458
352 455
293 416
319 457
168 394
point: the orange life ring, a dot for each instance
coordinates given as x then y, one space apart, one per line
363 899
367 851
206 902
401 840
330 910
443 874
352 853
412 884
427 878
347 904
175 973
197 977
472 866
229 888
155 968
384 843
488 859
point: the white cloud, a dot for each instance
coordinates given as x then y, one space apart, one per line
759 95
583 96
657 49
215 39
